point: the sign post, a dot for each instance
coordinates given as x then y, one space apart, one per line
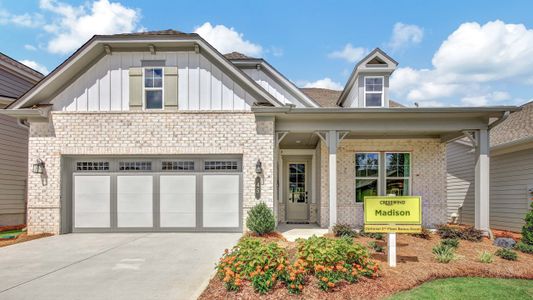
393 214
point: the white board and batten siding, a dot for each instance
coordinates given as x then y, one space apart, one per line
510 175
272 87
201 84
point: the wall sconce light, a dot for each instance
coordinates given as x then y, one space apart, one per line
258 167
38 167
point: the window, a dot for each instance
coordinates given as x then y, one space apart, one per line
135 166
382 173
398 168
153 88
177 165
92 166
366 175
214 165
374 91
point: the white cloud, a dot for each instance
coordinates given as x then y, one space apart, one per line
36 66
74 25
325 83
30 47
227 40
404 35
466 64
23 20
349 53
482 100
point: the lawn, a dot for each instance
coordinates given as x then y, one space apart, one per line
10 234
470 288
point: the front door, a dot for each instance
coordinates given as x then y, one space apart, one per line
298 192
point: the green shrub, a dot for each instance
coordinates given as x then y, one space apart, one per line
443 253
374 245
523 247
486 257
424 234
261 219
335 260
452 243
507 254
527 229
374 235
342 230
252 259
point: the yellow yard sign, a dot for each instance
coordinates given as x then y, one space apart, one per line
393 228
393 210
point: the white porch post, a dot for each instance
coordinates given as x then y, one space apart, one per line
482 180
332 149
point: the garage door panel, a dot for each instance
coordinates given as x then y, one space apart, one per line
92 199
221 200
134 201
177 200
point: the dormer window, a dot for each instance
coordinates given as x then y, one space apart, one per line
374 91
153 88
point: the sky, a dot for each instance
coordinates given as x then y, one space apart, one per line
450 53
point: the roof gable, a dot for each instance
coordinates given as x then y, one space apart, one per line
376 61
100 45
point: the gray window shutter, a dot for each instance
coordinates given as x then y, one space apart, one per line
171 88
136 88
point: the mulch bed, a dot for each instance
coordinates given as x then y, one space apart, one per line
416 265
23 237
12 227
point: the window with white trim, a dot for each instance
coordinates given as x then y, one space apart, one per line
374 91
382 173
153 88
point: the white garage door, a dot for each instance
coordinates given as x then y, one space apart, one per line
156 195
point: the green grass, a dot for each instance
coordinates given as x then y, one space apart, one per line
4 234
470 288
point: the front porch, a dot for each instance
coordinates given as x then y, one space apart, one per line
407 148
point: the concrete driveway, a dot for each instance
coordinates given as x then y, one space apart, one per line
112 266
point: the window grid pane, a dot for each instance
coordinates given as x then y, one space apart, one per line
135 166
177 165
92 166
215 165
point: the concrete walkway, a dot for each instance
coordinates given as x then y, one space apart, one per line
295 231
112 266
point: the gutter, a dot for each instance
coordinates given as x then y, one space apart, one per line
501 119
26 114
287 109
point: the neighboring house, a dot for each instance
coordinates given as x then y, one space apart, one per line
15 80
511 173
158 131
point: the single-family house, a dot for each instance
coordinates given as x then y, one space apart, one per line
158 131
511 173
15 79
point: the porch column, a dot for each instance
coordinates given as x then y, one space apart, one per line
482 180
332 180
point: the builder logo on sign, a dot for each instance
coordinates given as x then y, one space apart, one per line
401 214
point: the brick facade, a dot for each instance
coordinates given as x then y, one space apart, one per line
428 177
143 133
